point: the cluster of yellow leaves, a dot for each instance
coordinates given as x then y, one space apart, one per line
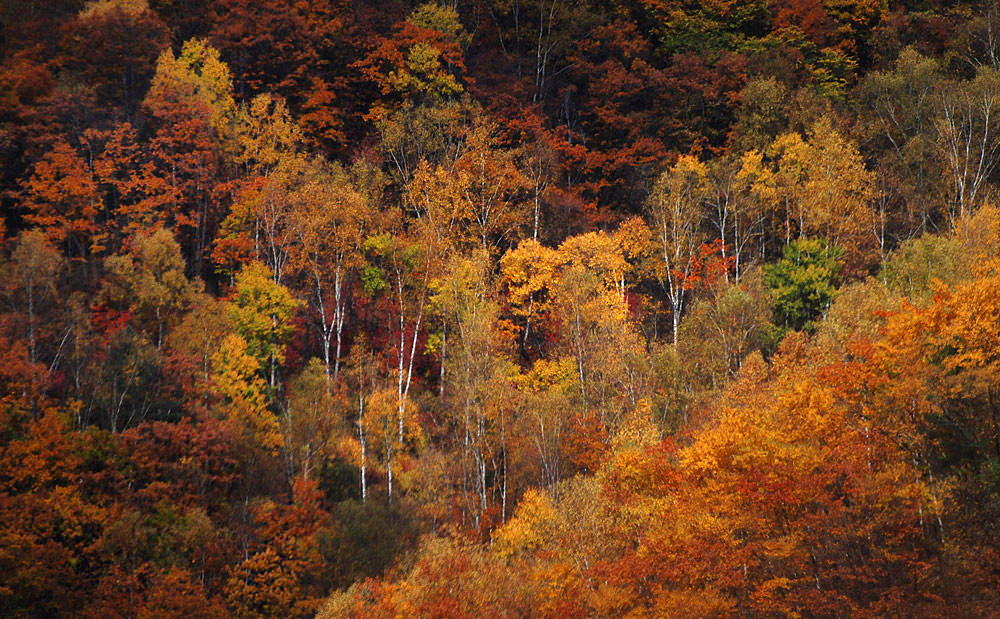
821 186
246 400
151 281
533 276
99 8
474 198
261 312
199 74
265 134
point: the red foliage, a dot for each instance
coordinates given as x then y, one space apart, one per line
709 265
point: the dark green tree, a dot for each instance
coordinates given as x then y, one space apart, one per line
803 283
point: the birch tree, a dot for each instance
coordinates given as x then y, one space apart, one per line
676 213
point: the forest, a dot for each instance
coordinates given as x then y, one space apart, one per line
499 308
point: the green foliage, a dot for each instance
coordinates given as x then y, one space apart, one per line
262 311
831 72
912 268
712 25
373 279
388 257
803 282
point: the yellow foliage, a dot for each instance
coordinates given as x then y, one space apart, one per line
527 531
197 72
528 271
244 392
693 603
820 186
99 8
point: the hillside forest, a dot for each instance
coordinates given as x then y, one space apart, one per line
499 308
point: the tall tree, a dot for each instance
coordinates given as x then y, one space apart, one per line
151 282
332 222
969 134
31 276
676 212
261 311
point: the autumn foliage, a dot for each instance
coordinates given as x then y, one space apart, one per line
499 308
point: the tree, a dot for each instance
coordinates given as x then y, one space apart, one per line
901 110
762 115
450 577
391 427
401 268
491 183
190 347
313 420
968 128
803 282
823 189
545 407
676 216
123 386
63 200
265 135
191 105
940 361
197 74
738 208
297 51
31 278
720 330
614 79
236 376
261 311
138 194
837 192
263 219
473 198
114 44
265 214
277 574
538 165
421 63
755 190
795 431
151 282
432 134
474 380
527 274
589 301
332 223
982 37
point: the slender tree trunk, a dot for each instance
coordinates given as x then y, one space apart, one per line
388 466
32 346
339 311
364 445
